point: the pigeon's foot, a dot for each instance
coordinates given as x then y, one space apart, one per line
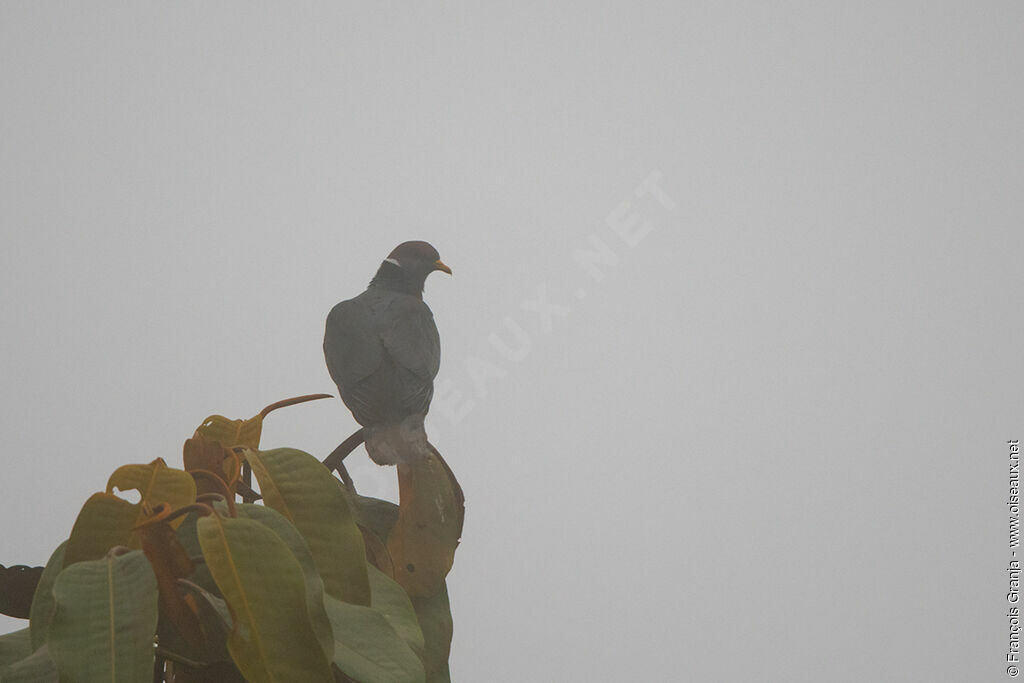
405 442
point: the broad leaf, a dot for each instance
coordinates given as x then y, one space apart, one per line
263 585
423 540
375 518
314 584
102 629
377 552
157 483
14 646
367 648
375 514
393 602
298 486
211 605
232 432
189 538
246 432
201 453
170 562
104 522
435 618
38 667
42 603
214 467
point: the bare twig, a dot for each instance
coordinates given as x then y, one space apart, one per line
292 401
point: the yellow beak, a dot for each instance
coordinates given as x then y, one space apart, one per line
438 265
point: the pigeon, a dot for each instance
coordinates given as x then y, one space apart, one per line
383 351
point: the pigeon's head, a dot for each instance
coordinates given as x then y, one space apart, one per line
408 265
417 257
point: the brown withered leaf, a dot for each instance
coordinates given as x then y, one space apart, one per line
170 562
211 450
156 483
423 540
214 467
245 432
201 453
232 432
377 551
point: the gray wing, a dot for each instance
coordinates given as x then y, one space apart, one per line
383 351
352 349
412 343
410 337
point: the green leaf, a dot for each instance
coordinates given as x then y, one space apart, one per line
435 618
42 603
314 584
377 515
15 646
105 521
303 490
189 538
263 585
157 483
423 540
38 667
367 648
393 602
102 629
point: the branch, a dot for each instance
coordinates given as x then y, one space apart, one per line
335 461
346 478
292 401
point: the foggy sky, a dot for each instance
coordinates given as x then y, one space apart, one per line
749 426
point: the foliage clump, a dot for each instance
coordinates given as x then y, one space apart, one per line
199 582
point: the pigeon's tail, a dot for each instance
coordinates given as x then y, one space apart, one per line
405 442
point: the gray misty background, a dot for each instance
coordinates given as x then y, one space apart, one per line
768 444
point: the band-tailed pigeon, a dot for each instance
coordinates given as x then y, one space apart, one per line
383 352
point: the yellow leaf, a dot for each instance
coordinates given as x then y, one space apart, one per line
232 432
157 483
430 513
104 522
263 583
